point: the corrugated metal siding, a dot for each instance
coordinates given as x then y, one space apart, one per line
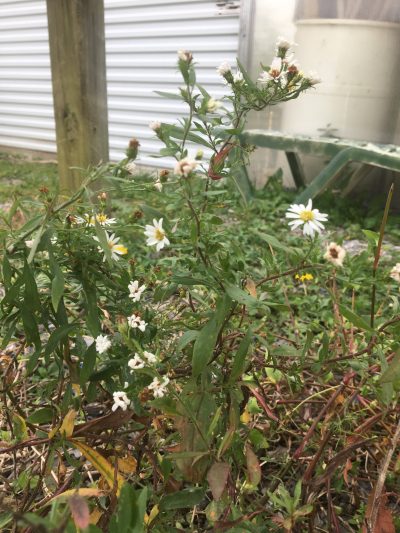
142 37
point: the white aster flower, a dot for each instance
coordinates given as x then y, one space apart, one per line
224 68
136 362
155 125
275 72
135 292
313 78
395 272
158 387
135 321
120 400
185 166
311 219
131 167
238 77
150 357
103 343
156 235
101 218
29 243
335 254
115 249
213 105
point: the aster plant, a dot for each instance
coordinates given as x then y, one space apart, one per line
179 363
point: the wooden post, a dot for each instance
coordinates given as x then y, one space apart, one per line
78 66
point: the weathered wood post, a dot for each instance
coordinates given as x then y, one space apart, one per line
78 66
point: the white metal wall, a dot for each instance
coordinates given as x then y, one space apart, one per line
142 38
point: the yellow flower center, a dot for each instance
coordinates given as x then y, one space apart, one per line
101 218
306 215
159 234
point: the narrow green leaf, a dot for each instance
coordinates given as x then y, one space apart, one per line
185 498
58 336
205 343
89 363
186 339
356 320
239 362
57 287
392 373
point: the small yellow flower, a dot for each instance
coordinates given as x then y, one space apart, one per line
304 277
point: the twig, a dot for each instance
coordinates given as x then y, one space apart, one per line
371 522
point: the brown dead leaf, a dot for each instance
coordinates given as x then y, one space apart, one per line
384 522
251 287
80 511
217 478
253 466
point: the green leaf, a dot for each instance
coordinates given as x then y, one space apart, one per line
89 362
241 296
205 343
102 236
165 94
186 339
31 327
31 294
274 242
41 416
58 335
392 373
57 286
356 320
239 362
185 498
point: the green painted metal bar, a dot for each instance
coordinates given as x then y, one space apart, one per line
342 152
297 169
338 163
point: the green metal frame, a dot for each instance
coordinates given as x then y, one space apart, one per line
340 151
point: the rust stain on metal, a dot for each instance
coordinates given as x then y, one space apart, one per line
228 6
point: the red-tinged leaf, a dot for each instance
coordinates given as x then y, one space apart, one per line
80 511
253 466
217 478
346 471
263 404
384 520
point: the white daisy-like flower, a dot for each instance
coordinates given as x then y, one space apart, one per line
335 254
395 272
131 167
213 105
224 68
136 362
135 292
156 235
185 166
238 77
313 78
155 125
158 387
311 219
115 248
120 400
29 243
150 357
135 321
103 343
101 218
275 72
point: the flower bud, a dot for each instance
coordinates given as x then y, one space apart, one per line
132 150
102 196
155 125
199 155
185 55
164 173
